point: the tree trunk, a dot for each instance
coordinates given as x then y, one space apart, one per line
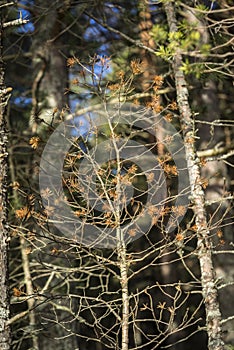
50 70
4 228
48 101
213 315
148 60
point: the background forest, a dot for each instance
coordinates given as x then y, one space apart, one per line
116 175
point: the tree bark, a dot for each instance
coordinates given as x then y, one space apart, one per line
148 59
49 63
123 265
213 315
4 228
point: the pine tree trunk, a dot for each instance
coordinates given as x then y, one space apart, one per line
213 315
4 231
148 60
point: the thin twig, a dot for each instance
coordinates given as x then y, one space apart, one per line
215 151
15 22
137 43
7 4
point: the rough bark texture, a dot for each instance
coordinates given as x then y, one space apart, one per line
213 315
4 301
148 62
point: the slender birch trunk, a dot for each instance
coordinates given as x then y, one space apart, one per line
210 295
121 251
4 231
123 264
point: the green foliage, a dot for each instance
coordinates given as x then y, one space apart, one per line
187 38
201 7
165 53
159 33
179 40
191 37
205 49
193 68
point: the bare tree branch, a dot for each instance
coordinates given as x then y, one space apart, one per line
16 22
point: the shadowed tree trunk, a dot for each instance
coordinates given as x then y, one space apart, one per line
49 62
49 100
148 61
